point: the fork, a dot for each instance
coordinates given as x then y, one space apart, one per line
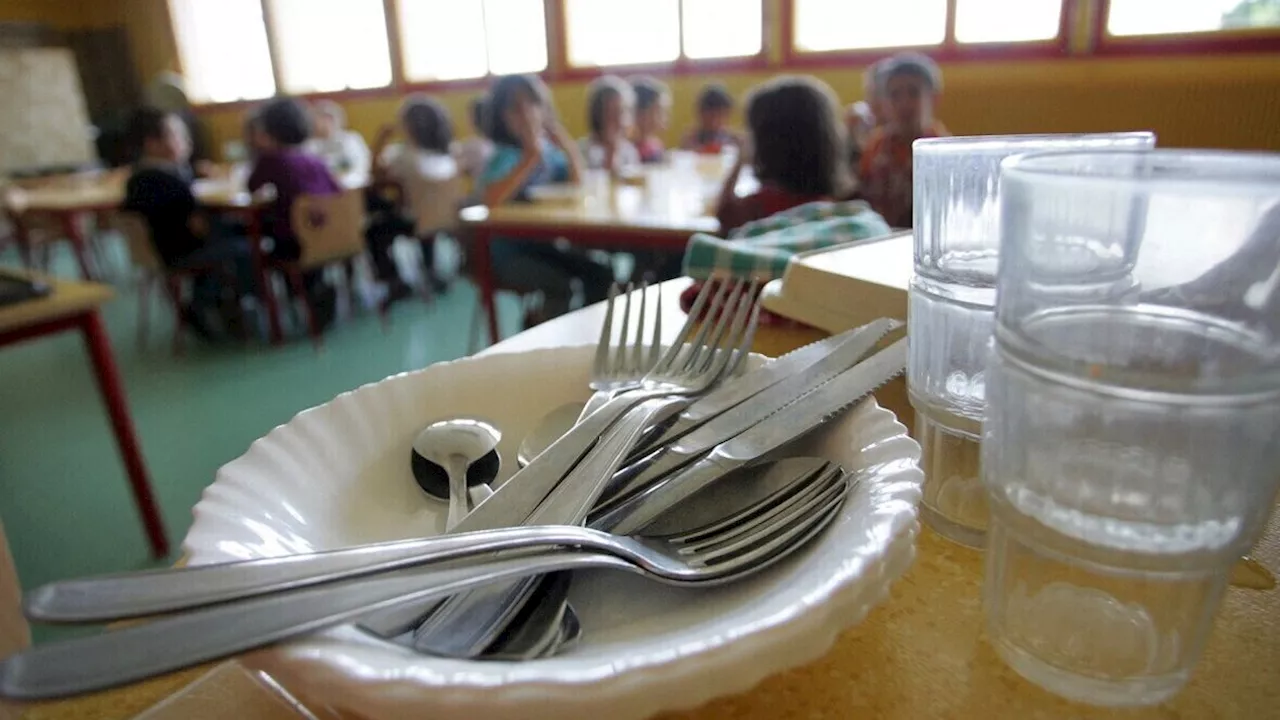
744 543
618 368
123 596
465 626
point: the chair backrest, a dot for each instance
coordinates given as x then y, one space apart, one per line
433 203
329 227
137 233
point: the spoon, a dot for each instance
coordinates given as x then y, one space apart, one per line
455 460
450 455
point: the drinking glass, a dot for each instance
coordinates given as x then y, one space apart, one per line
951 309
1130 450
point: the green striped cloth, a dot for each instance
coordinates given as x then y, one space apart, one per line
762 248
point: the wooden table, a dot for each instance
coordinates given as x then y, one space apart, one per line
922 653
657 209
69 198
74 306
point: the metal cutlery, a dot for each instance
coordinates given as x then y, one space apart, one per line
466 626
629 514
620 367
745 543
749 386
521 494
731 410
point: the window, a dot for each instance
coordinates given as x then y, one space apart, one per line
601 34
204 31
457 39
826 25
327 45
1158 17
822 25
989 21
721 28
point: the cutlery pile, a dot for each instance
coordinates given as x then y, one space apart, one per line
458 593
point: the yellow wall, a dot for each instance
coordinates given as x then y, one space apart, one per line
1229 101
1226 102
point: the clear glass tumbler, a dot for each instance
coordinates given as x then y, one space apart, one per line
951 309
1131 449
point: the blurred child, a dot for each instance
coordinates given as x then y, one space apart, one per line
796 141
424 157
475 151
865 115
159 189
343 150
909 83
282 127
712 133
653 106
532 148
610 106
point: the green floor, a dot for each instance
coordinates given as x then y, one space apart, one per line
64 499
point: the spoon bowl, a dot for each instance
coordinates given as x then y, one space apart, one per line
434 450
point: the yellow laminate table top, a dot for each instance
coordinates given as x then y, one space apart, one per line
99 191
676 198
69 297
921 653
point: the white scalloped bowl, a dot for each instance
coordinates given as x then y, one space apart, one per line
338 475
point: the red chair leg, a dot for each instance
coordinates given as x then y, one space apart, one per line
299 290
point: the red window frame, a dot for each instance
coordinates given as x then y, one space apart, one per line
949 50
1212 41
680 66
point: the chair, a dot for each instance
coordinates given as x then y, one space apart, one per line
329 228
434 206
142 252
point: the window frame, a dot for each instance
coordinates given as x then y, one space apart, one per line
949 50
1209 42
682 65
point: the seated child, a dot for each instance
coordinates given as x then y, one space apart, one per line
474 152
798 141
908 85
283 125
343 150
653 106
610 104
159 189
425 156
531 148
712 133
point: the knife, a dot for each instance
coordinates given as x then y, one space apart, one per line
791 382
756 444
745 387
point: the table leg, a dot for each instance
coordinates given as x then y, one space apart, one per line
71 228
482 266
104 367
23 237
265 291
